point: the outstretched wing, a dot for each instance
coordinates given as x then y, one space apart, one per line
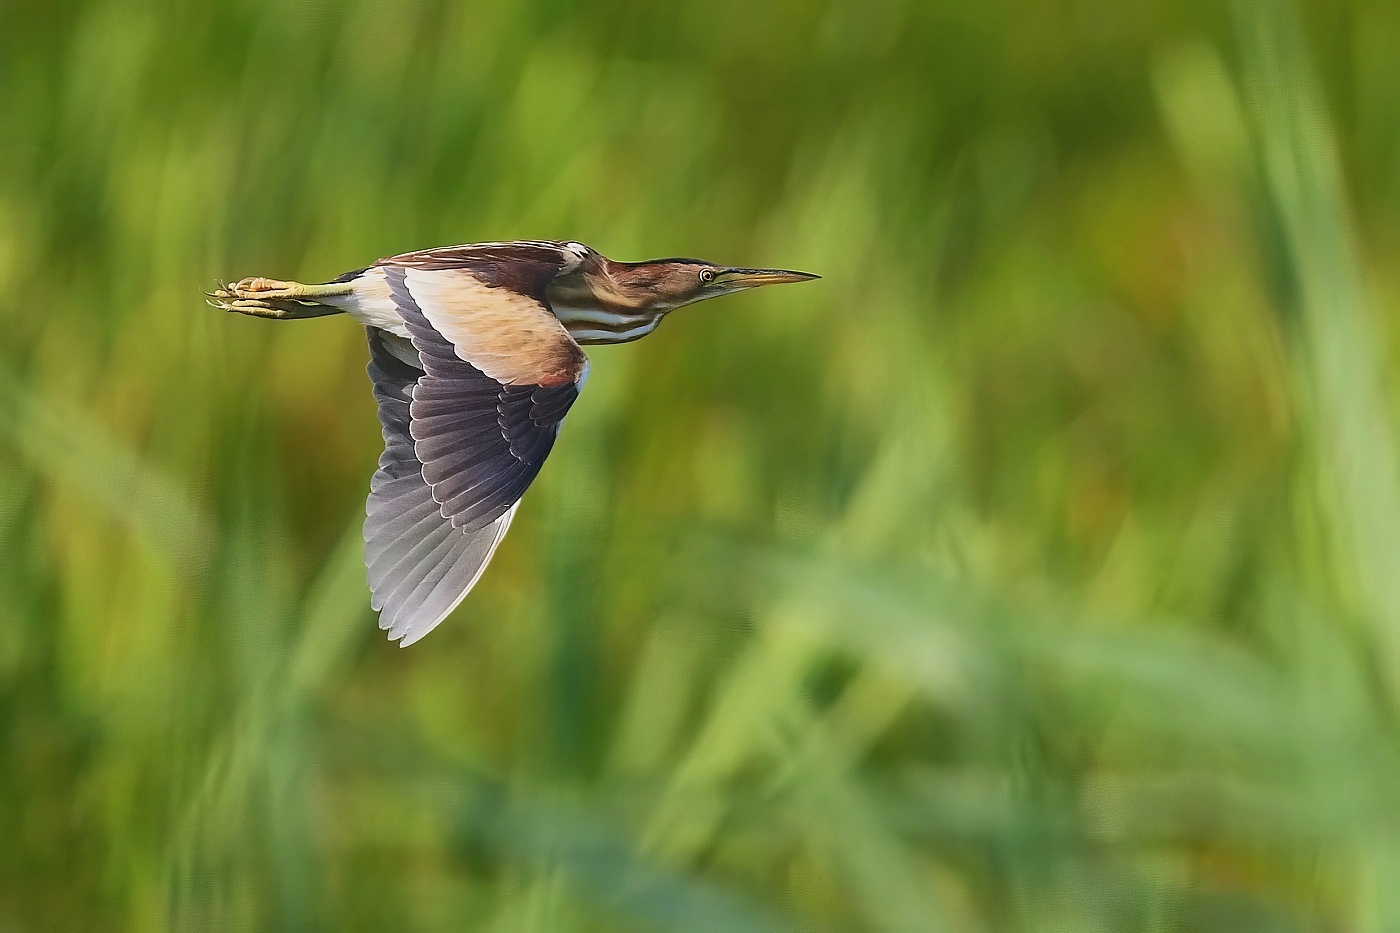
501 372
419 566
472 429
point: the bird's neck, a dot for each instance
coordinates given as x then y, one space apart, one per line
596 306
602 283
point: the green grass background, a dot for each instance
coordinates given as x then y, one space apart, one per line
1037 569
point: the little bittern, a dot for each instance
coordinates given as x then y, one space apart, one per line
475 359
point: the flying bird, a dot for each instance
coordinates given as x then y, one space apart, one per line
475 358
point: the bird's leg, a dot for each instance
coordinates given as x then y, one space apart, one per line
274 298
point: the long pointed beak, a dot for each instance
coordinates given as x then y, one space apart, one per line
750 278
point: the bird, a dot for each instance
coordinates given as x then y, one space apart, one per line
475 357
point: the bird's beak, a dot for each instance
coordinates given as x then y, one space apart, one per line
736 279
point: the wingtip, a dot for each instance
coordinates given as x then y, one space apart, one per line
406 639
408 631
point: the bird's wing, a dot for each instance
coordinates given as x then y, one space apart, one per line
498 373
523 266
419 566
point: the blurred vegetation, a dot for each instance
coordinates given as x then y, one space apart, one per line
1035 570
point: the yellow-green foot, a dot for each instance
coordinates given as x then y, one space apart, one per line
274 298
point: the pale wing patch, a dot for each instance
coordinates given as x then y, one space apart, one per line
512 338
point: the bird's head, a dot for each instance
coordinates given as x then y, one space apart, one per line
666 284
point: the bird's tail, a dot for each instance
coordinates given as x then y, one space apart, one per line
274 298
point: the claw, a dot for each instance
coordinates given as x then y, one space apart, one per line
220 296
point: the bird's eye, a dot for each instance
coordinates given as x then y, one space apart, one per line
707 276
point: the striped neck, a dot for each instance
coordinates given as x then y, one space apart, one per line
596 309
595 322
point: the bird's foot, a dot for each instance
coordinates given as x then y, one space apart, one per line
238 298
270 298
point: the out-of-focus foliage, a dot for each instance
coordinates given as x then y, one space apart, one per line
1038 569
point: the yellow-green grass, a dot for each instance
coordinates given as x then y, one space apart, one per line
1038 569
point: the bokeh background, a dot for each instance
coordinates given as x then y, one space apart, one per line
1037 569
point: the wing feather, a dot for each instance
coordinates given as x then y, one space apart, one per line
467 430
419 566
482 438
